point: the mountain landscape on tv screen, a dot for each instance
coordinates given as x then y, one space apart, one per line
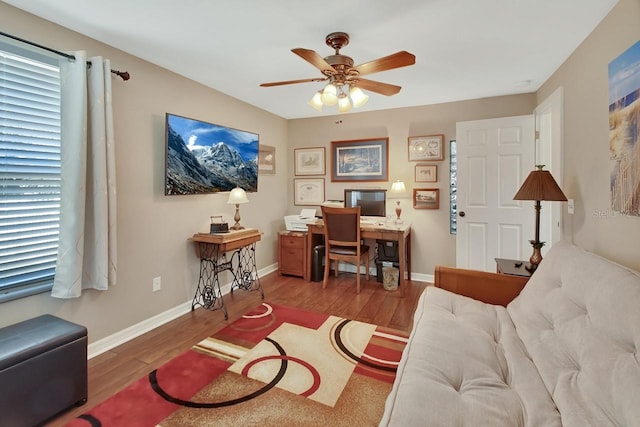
207 169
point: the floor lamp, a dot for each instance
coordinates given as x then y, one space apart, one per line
539 186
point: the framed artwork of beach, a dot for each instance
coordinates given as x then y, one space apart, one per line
624 138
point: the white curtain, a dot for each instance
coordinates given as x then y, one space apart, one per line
87 256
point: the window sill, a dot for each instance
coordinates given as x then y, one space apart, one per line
24 291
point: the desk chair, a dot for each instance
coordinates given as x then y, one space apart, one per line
342 241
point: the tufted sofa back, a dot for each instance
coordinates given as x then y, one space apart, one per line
579 318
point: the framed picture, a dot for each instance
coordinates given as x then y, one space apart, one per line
308 191
426 173
267 160
426 198
360 160
428 147
309 161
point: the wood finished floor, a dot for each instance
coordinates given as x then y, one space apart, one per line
119 367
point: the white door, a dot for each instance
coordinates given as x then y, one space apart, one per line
494 158
549 152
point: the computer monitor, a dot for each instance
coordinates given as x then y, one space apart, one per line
372 202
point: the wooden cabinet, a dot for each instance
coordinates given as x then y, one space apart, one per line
292 253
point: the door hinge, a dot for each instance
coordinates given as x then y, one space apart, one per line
537 135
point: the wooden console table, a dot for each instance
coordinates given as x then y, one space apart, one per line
212 250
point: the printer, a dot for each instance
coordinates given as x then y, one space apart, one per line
299 222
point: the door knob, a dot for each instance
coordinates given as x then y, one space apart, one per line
462 214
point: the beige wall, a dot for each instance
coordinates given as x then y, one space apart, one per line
431 242
152 228
584 79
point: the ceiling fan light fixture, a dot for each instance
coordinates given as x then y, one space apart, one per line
339 72
316 101
329 95
344 105
358 97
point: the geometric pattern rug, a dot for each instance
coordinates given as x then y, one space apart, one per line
275 366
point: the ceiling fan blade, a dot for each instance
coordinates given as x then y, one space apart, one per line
314 59
396 60
378 87
290 82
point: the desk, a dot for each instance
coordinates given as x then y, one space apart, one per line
400 233
212 250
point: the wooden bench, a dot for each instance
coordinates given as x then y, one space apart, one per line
43 369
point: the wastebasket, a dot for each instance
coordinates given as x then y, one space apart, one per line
317 269
382 264
390 278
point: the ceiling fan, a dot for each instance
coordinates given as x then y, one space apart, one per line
339 71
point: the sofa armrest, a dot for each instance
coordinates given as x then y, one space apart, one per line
491 288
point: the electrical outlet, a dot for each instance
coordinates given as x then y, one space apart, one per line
570 206
157 284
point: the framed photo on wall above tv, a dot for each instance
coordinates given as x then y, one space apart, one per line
203 157
360 160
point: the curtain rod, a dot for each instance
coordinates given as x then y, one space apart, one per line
124 75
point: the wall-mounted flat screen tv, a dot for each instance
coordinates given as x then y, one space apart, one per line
204 157
372 202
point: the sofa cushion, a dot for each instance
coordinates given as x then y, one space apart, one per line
465 365
579 318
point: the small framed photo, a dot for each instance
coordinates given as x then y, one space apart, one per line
428 147
309 161
426 198
308 191
266 160
426 173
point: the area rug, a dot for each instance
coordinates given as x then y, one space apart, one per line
275 366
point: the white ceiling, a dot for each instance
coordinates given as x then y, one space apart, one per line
465 49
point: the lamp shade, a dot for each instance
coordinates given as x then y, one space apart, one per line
329 95
316 101
358 97
237 196
540 185
344 104
398 188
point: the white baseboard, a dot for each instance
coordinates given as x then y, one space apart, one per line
418 277
105 344
120 337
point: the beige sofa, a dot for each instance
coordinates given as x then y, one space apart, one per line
564 352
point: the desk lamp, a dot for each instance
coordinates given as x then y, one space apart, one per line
237 196
538 186
398 188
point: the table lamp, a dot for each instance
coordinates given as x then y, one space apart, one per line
539 186
398 189
237 196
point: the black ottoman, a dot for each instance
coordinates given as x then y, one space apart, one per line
43 369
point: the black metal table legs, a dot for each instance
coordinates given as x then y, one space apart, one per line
212 263
245 276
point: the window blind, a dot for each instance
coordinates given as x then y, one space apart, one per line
29 173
